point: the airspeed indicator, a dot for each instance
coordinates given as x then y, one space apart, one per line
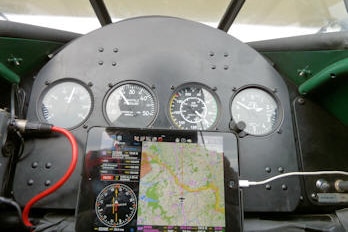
194 107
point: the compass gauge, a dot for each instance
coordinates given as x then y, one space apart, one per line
116 205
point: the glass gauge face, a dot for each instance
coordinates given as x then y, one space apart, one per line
194 107
131 104
257 108
66 104
116 205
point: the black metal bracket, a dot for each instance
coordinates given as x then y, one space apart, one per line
346 4
230 14
101 12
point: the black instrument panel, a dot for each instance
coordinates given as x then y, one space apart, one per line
162 73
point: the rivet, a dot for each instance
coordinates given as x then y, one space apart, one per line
114 63
34 164
85 126
211 53
268 187
232 184
47 182
115 50
301 101
213 67
90 84
100 62
226 67
100 49
172 87
268 169
226 54
284 187
281 169
30 182
48 165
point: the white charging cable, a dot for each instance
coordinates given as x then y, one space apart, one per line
247 183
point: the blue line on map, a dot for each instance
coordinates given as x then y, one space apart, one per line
146 199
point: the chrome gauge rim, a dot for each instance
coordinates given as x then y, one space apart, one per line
130 104
258 108
194 106
66 103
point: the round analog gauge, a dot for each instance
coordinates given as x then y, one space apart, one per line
131 104
194 107
66 104
257 108
116 205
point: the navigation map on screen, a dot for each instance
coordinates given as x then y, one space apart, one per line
181 184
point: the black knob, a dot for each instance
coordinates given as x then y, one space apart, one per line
237 127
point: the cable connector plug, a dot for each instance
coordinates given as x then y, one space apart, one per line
32 127
244 183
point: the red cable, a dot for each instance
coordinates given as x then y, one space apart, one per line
61 181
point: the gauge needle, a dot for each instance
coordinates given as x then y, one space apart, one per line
113 205
124 98
71 95
199 114
243 105
249 108
202 117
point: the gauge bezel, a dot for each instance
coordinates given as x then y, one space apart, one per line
198 85
52 85
133 82
271 93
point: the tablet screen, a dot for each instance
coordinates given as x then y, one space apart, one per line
157 180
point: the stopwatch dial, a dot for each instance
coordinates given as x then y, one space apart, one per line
131 104
116 205
257 108
66 104
194 107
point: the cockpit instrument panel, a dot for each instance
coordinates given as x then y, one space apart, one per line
140 73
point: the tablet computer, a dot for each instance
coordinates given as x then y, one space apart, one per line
159 180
